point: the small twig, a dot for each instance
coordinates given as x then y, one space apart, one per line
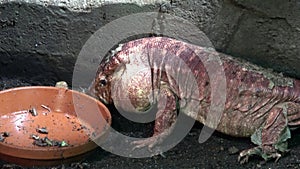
33 112
16 120
27 121
20 112
46 107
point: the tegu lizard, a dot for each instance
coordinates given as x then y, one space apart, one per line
259 103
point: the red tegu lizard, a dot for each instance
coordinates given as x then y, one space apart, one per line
259 103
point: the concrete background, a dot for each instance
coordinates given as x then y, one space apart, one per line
41 39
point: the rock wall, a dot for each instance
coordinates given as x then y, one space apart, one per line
42 39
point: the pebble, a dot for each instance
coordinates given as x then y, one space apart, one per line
233 150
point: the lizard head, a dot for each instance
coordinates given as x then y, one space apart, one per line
124 79
106 74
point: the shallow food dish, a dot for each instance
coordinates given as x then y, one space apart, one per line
49 123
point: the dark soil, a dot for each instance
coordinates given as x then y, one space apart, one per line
214 153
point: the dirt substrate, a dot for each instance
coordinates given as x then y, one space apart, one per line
214 153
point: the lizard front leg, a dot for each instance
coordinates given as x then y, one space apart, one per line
272 137
165 119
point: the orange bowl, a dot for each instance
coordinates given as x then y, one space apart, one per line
71 120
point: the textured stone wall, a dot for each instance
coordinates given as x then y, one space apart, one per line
264 32
42 39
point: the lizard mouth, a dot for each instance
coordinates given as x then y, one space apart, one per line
105 97
103 100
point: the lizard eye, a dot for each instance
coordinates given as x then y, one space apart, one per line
102 82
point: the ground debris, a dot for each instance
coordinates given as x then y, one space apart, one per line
45 142
81 165
233 150
2 138
46 107
33 111
3 135
11 166
42 130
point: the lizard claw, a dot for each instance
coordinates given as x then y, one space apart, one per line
277 156
149 142
244 155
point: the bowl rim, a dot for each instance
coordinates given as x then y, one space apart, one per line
84 147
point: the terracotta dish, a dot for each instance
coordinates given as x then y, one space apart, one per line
49 123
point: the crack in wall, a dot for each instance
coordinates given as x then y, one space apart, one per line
261 13
235 28
158 24
248 8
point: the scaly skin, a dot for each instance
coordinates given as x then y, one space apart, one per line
148 71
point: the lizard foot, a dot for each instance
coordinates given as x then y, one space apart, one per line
265 154
149 143
271 138
244 155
